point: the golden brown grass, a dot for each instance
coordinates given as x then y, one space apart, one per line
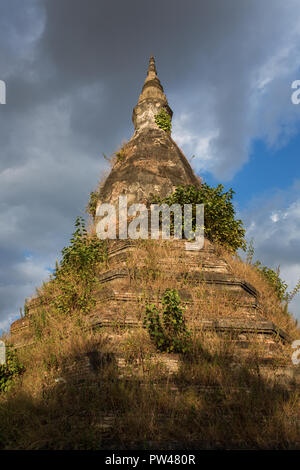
270 306
214 400
154 266
237 409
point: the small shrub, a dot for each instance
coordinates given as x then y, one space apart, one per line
274 280
273 277
163 120
154 327
120 156
10 370
220 224
173 335
92 204
75 275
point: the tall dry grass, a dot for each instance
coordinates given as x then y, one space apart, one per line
270 306
206 404
213 400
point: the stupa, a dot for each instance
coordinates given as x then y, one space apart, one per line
216 300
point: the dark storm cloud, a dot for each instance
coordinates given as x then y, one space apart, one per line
74 70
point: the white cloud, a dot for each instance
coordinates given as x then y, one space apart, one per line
197 146
274 224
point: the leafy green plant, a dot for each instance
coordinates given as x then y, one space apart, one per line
290 295
220 224
120 155
173 335
274 280
10 370
154 327
280 286
75 275
273 277
163 120
92 204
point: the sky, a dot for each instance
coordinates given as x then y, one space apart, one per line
73 72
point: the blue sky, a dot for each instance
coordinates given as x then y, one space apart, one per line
267 170
74 71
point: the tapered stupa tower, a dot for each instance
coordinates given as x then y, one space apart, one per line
150 163
218 304
152 100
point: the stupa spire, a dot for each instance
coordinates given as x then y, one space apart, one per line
152 73
151 100
151 66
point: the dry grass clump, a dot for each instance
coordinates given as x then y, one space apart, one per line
137 347
116 157
114 160
271 308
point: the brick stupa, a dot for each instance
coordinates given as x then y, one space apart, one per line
215 299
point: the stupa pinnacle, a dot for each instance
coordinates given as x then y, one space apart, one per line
151 100
150 163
